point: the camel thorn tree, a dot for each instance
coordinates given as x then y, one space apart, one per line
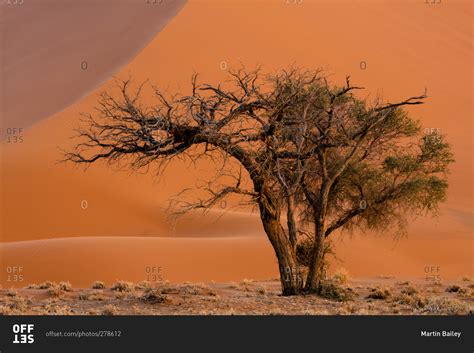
297 147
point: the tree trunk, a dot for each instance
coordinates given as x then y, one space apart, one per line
316 267
290 275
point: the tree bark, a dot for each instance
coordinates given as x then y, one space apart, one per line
290 275
316 267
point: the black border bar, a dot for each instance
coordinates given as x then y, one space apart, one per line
239 334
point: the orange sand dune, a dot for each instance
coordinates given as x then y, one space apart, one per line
418 256
84 260
406 46
53 52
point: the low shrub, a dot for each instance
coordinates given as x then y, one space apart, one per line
122 286
446 306
153 295
98 285
341 276
333 291
379 294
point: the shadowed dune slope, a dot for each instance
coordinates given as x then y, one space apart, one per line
53 52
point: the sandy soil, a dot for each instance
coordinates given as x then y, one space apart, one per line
373 296
406 47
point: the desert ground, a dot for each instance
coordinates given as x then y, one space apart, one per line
341 296
60 223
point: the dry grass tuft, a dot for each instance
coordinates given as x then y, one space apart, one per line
233 285
446 306
412 297
436 284
46 285
246 285
11 293
98 285
190 289
97 294
144 285
15 306
410 290
109 310
462 292
59 310
333 291
55 292
379 294
196 289
403 283
65 286
453 289
246 282
54 289
341 276
415 300
124 295
6 310
122 286
83 296
153 296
